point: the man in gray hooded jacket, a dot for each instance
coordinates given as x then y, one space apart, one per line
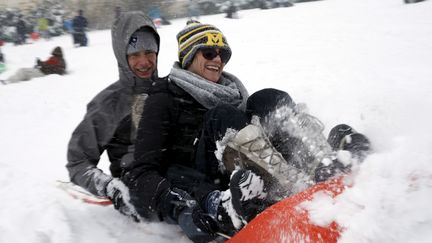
113 115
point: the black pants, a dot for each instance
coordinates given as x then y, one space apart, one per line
80 38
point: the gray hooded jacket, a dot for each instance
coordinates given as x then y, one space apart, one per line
112 116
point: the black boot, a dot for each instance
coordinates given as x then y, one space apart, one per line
251 149
337 134
344 137
248 194
358 144
238 205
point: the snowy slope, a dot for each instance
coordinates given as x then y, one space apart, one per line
366 63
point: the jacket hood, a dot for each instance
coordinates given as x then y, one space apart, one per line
121 31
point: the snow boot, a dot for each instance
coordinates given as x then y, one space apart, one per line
344 137
242 202
251 149
248 194
358 144
299 137
337 134
228 221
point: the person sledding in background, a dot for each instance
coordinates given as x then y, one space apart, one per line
55 64
177 176
2 59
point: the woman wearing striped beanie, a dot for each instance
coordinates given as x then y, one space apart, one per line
203 52
196 36
171 168
182 172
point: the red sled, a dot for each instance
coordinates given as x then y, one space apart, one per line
285 222
79 193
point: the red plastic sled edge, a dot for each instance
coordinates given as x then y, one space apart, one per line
285 222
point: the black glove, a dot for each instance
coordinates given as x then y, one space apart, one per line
173 201
38 62
177 201
204 221
118 193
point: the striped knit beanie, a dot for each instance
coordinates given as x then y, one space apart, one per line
195 36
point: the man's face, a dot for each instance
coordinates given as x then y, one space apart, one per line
142 63
209 68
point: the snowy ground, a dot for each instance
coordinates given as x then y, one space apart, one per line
366 63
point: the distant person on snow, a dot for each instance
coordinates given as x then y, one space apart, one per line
54 65
21 29
2 59
79 26
231 11
180 176
43 28
113 115
193 9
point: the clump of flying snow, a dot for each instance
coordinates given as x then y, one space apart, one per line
221 145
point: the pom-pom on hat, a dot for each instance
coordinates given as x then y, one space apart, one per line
195 36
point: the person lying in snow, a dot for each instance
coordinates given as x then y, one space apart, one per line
199 160
55 64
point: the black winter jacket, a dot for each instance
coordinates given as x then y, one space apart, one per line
166 138
79 23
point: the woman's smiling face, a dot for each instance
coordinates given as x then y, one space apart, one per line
208 69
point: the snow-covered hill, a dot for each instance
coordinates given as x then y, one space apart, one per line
366 63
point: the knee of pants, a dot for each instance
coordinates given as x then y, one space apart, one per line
265 101
221 111
222 117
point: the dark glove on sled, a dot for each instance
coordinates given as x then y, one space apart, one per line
118 193
176 201
204 221
38 62
173 201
